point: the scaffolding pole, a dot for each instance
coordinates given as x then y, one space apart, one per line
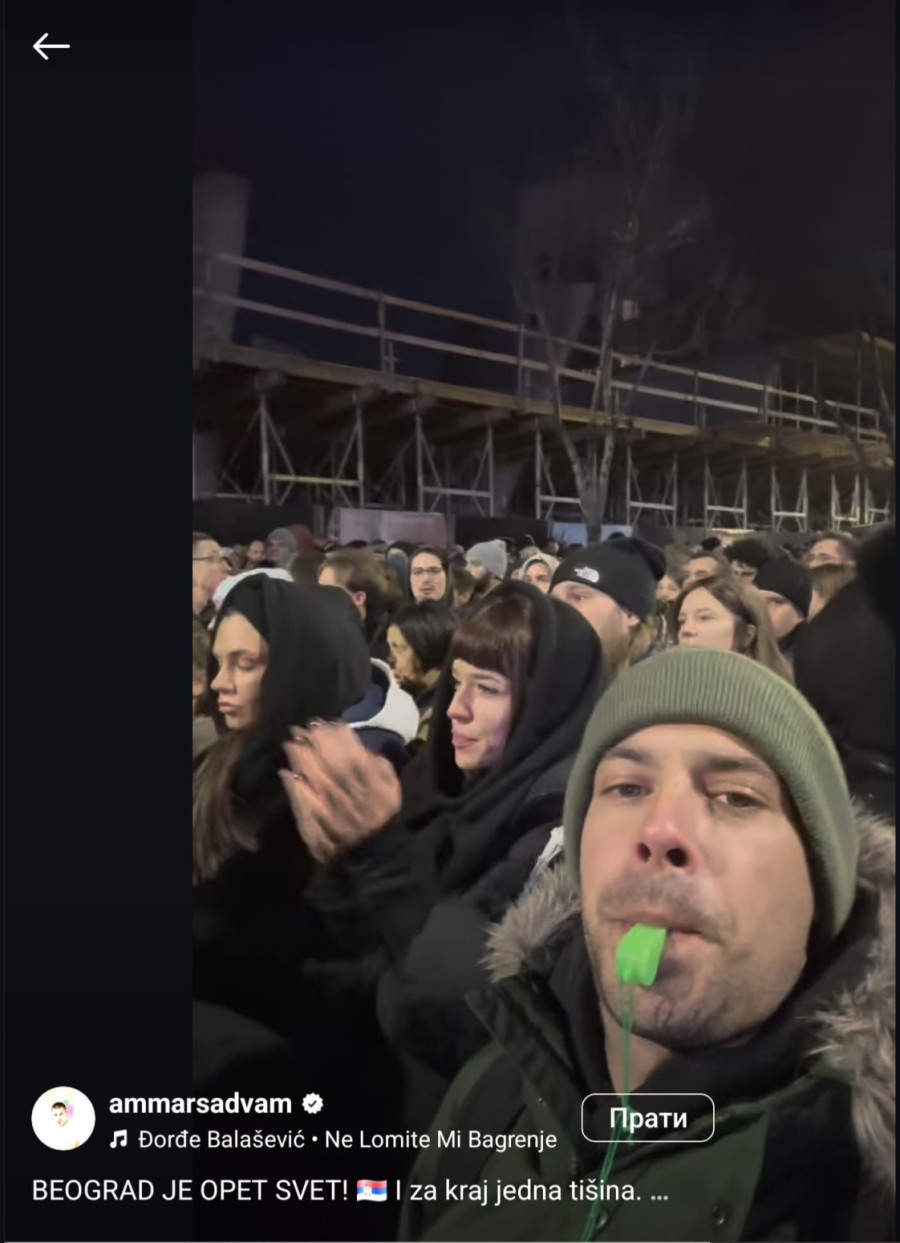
713 507
664 499
389 491
543 477
433 486
334 476
360 454
875 513
780 513
845 517
264 448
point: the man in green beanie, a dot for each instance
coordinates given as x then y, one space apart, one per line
707 804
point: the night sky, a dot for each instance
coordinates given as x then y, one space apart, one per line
377 136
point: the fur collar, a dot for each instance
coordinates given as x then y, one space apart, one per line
853 1037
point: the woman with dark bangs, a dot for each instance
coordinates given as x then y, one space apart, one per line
418 638
521 679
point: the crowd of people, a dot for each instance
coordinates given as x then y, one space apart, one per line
433 790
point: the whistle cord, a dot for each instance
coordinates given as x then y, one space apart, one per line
626 1012
638 956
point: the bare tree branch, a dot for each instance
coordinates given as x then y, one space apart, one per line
622 216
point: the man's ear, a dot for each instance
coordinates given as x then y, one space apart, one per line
631 619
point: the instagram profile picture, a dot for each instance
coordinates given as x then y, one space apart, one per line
63 1118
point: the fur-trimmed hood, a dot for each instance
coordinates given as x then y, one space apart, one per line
852 1036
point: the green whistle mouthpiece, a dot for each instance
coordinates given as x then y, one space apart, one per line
638 954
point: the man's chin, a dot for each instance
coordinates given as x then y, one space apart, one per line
675 988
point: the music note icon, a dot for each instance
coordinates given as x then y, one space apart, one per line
117 1136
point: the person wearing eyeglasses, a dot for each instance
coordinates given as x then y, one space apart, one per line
428 575
208 571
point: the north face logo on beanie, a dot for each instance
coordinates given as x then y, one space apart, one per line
627 570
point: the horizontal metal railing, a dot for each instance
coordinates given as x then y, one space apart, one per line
772 405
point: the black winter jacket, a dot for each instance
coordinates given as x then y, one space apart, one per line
844 663
428 887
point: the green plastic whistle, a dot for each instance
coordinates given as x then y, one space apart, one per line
638 954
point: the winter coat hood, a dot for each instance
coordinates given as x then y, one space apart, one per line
317 665
552 564
385 706
845 1016
227 585
475 814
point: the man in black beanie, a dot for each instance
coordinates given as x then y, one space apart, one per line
786 586
747 557
613 586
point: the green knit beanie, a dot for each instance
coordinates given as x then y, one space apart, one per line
703 686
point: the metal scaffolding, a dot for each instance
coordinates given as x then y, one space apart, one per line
367 446
389 490
546 501
845 517
431 485
663 500
713 507
343 471
875 513
781 515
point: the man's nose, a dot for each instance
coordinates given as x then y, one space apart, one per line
667 838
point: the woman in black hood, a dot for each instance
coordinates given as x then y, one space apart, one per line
520 683
471 811
282 655
268 973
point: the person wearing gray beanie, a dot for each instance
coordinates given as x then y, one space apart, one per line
488 560
281 545
717 951
728 692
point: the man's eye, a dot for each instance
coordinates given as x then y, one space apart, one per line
737 800
625 789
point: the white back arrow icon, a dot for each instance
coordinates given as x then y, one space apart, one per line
41 45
